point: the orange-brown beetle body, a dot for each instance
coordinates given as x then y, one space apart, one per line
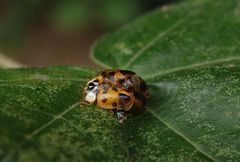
119 90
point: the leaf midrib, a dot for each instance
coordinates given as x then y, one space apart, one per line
182 135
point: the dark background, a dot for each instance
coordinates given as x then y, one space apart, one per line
45 33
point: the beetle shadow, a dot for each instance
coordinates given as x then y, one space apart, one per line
138 130
160 94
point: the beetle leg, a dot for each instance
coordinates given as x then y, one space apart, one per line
84 103
121 116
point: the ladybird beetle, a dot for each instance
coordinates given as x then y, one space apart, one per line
116 90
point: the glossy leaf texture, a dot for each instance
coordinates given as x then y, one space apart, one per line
190 54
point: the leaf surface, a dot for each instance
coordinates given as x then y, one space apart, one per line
191 33
189 55
41 119
189 52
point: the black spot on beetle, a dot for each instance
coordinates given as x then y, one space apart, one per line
114 89
121 81
114 104
123 100
111 76
126 72
103 73
104 100
124 97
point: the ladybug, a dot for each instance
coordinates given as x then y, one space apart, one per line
117 90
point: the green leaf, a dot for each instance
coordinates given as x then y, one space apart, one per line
191 33
41 119
190 54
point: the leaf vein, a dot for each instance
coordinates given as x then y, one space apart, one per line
219 134
46 125
193 66
151 43
35 132
182 135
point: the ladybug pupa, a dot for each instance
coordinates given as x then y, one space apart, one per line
118 90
